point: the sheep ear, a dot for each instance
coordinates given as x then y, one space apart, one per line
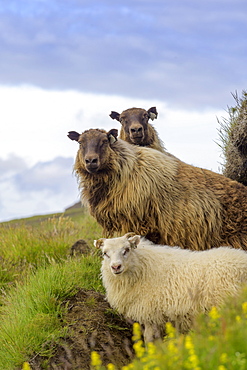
73 135
152 112
98 243
134 241
115 115
128 235
112 135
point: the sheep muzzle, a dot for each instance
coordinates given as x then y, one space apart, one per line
136 133
92 163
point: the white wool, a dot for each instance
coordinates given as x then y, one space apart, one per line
155 284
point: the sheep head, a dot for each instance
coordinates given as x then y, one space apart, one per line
94 147
117 251
134 122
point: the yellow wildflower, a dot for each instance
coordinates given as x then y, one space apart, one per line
193 359
110 367
139 348
95 359
128 367
170 330
188 342
137 333
214 313
26 366
172 347
244 308
223 358
151 349
238 318
221 367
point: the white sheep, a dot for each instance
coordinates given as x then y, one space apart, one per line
153 284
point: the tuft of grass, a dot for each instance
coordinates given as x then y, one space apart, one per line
227 125
33 311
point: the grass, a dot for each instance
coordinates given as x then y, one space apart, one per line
27 245
226 125
37 275
33 311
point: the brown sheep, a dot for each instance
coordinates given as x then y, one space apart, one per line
128 187
137 130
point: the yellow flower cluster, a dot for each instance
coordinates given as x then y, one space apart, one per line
172 344
146 354
170 330
96 360
214 314
192 362
244 308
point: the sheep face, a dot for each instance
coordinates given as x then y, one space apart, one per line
94 147
135 123
117 252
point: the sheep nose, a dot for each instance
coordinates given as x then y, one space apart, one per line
116 268
136 130
91 160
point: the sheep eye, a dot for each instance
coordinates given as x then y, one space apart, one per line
105 255
126 251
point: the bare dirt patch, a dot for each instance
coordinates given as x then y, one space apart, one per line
92 326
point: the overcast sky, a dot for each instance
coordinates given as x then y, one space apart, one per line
64 65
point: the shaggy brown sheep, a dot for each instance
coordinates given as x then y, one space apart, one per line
137 130
128 187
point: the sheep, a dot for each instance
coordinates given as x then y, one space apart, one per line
153 284
136 129
128 187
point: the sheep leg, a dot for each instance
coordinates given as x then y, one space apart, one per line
151 332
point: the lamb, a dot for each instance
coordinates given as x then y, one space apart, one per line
154 284
128 187
137 130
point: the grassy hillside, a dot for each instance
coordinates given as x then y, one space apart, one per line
54 315
30 243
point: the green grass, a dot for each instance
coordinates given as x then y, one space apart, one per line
27 245
37 276
33 311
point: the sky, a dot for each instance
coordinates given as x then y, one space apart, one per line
64 65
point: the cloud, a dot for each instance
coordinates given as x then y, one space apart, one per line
53 176
43 188
13 164
182 52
